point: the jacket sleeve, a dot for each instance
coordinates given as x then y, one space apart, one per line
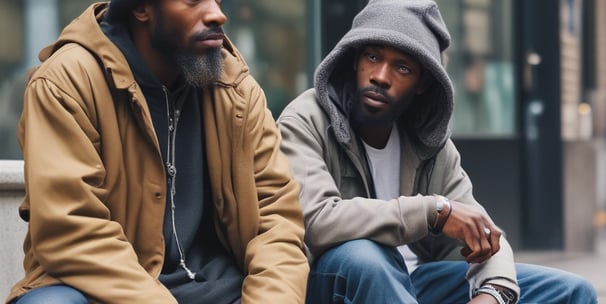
72 234
275 260
331 218
452 181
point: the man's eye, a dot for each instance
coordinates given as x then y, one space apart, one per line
403 69
373 58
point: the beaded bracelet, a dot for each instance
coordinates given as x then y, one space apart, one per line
487 289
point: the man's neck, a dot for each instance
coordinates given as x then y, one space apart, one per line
374 137
163 69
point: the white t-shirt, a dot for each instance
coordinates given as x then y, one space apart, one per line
385 169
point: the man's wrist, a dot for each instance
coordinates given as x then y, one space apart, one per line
503 295
443 208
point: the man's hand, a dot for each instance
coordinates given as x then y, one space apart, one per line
480 235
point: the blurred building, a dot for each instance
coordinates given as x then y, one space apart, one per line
530 80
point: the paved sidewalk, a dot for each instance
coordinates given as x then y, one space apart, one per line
592 266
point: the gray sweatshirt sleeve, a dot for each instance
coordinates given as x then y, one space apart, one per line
449 179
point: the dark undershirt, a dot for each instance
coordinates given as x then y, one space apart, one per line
217 279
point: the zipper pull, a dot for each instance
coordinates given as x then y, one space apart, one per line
171 125
171 169
190 274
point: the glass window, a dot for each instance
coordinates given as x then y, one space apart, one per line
69 9
270 34
481 66
25 27
11 88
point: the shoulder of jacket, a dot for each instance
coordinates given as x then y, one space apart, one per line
447 157
448 148
305 104
74 72
71 58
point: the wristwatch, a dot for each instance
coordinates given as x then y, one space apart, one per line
509 297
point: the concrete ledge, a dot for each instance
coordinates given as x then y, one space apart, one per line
11 175
12 229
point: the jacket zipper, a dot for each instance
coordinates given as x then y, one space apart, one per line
171 169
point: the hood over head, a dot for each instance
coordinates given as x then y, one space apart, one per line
414 27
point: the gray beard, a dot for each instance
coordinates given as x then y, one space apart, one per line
201 71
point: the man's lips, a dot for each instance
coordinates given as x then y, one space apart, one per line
374 99
214 40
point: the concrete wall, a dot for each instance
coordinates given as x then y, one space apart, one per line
12 228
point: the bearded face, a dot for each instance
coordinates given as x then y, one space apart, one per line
196 52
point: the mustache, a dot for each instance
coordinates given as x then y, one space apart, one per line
213 32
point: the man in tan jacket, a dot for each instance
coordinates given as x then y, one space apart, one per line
152 166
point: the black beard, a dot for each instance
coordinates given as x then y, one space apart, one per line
358 111
201 71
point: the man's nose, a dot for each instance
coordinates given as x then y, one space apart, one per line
213 14
380 76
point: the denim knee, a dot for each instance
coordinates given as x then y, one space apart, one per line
362 256
576 289
360 271
580 288
56 294
540 284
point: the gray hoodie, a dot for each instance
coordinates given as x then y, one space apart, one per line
413 26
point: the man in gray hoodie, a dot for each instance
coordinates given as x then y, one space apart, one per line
384 196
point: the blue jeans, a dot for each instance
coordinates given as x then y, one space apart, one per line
362 271
56 294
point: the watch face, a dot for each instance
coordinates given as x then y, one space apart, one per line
508 295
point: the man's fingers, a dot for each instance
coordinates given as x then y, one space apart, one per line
480 235
481 243
485 250
495 240
477 243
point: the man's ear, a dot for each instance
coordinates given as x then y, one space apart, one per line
142 12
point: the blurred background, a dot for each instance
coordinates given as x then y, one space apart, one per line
530 79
